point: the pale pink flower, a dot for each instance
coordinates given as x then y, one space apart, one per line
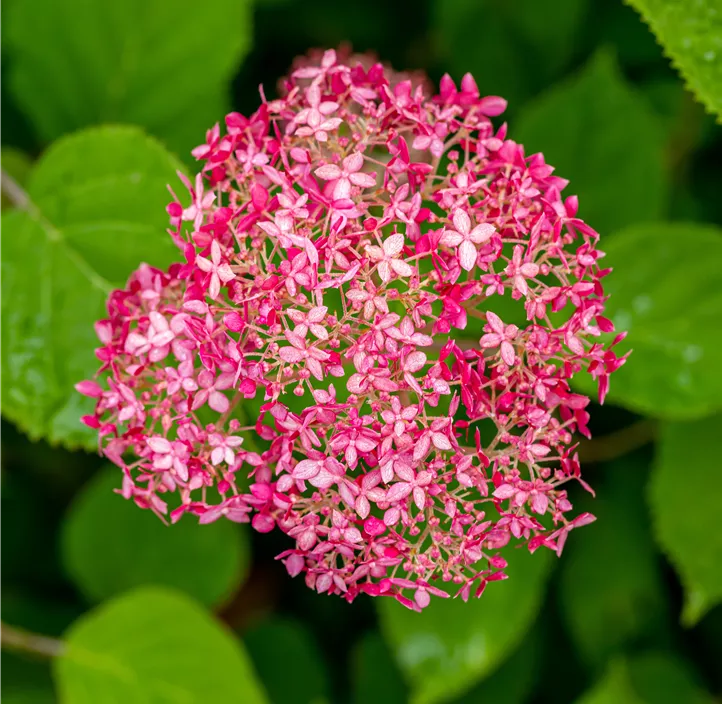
387 258
465 238
349 174
218 269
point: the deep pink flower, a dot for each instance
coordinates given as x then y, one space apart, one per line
312 340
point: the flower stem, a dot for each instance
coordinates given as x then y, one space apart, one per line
22 641
14 192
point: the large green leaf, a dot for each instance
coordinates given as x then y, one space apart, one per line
164 66
604 137
610 605
109 545
665 291
690 31
96 210
651 678
153 646
685 497
305 679
451 645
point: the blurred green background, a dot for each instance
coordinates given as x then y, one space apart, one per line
631 612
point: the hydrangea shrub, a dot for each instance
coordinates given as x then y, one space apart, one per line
339 245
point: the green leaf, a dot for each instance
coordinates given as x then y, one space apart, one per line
691 34
648 679
109 545
17 165
375 676
665 292
153 646
96 210
167 68
599 133
305 679
451 645
608 605
685 495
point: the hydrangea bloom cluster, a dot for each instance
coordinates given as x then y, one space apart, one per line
332 357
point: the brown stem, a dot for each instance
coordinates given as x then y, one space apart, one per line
23 641
619 443
16 195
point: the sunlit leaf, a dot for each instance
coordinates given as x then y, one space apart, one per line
95 211
664 291
690 32
110 545
155 646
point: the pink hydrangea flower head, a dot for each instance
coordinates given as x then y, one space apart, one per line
368 342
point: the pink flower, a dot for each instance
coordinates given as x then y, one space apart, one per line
466 239
500 335
218 269
329 272
343 178
387 258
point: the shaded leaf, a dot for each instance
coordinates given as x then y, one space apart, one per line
155 646
305 679
109 545
648 679
514 681
167 68
610 604
665 292
685 494
25 681
374 674
96 211
599 133
510 48
451 645
690 31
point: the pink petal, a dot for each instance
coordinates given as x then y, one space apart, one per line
328 172
461 221
290 354
467 255
393 245
507 353
218 402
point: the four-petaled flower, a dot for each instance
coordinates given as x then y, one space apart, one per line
500 335
465 238
349 174
387 258
218 269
